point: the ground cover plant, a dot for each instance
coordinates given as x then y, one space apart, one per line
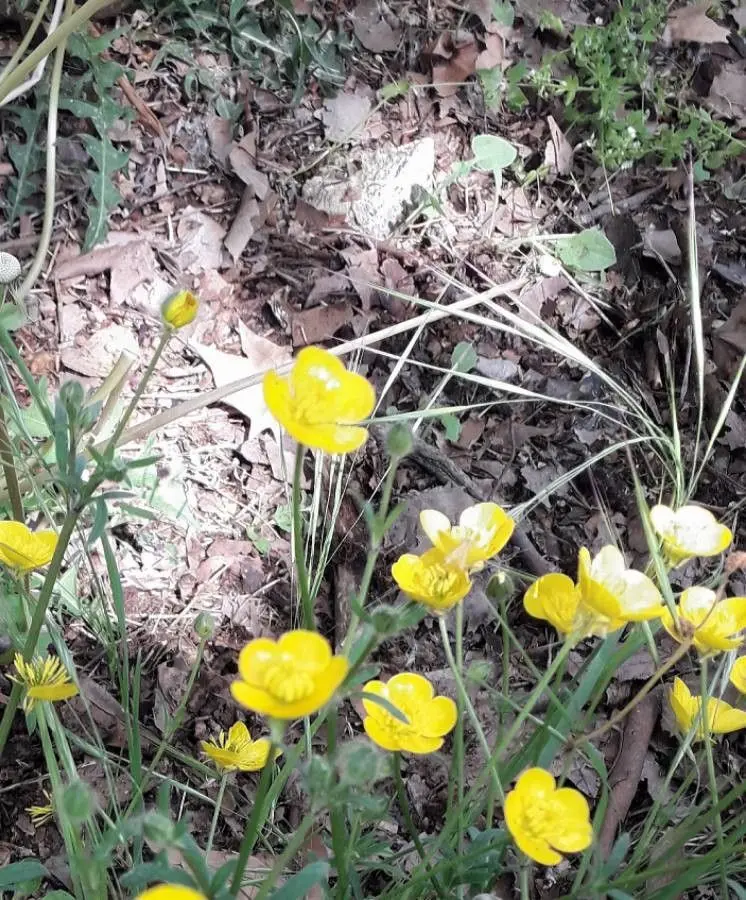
440 590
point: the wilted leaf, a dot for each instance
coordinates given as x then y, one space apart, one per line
492 153
372 29
589 251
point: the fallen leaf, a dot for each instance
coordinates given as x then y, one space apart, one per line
363 272
460 52
220 135
692 24
96 356
260 355
728 92
326 286
344 116
534 298
243 227
558 152
373 30
493 53
482 9
201 242
312 326
243 161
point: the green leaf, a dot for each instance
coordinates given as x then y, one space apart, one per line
492 153
107 160
589 251
464 357
299 885
393 90
386 704
20 872
492 83
503 13
283 517
12 316
451 426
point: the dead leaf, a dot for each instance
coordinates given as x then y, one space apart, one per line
243 161
558 152
691 23
220 135
344 116
326 286
319 323
728 92
260 355
538 479
363 272
460 52
534 298
493 54
95 357
201 242
482 9
373 30
243 227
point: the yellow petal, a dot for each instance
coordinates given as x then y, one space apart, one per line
553 598
170 892
574 832
408 687
685 707
535 783
385 737
435 525
640 599
52 692
307 648
738 674
724 718
418 743
438 717
378 689
254 658
238 733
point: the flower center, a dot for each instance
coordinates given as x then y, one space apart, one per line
538 817
311 403
440 581
395 726
287 683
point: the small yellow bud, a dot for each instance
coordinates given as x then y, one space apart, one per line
180 309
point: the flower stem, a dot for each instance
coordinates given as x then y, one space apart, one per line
336 812
299 551
9 469
488 755
406 811
216 814
291 848
255 823
458 746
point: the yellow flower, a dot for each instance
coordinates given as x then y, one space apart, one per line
320 403
689 531
236 750
170 892
45 680
429 717
544 819
288 678
40 815
715 624
482 531
721 716
607 596
738 674
180 309
432 579
23 549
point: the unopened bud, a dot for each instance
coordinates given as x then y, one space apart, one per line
180 309
399 441
204 626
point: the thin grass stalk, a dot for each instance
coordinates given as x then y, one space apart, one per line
711 776
299 550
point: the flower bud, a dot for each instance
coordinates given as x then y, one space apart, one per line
500 588
180 309
204 626
10 268
72 395
399 441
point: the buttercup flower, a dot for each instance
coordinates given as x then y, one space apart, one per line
544 819
45 680
688 532
607 596
715 624
320 403
236 750
288 678
429 718
181 309
432 579
170 892
721 716
738 674
40 815
482 531
23 549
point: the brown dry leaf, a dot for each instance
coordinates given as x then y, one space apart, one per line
220 135
244 226
105 710
260 355
728 92
460 51
344 116
319 324
326 285
373 30
691 23
493 54
534 298
95 357
201 242
482 9
558 152
363 272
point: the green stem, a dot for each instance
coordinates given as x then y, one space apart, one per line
122 424
40 611
458 747
11 351
292 847
50 43
406 811
216 814
50 183
336 813
255 823
490 758
306 602
711 776
525 872
25 41
9 469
